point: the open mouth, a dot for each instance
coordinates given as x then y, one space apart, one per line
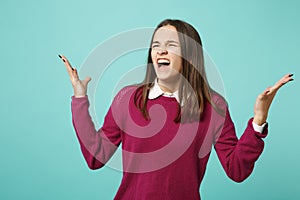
163 62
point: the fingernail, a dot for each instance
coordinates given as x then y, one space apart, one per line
291 75
59 56
72 69
64 60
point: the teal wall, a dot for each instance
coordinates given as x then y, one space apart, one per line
253 44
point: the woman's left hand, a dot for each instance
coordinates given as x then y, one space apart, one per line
264 100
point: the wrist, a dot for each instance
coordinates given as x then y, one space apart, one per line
79 95
259 120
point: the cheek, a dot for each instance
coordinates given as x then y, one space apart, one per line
153 53
175 51
178 63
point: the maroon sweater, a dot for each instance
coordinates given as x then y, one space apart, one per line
163 159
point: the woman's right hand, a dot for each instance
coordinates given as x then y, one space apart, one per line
79 86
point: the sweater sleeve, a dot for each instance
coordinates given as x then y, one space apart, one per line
238 156
97 146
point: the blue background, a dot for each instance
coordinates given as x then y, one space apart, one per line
253 43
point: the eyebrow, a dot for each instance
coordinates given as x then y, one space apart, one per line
168 41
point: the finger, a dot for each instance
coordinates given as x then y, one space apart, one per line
290 77
285 79
267 91
67 64
264 93
76 77
86 80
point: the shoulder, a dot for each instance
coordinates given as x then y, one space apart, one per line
127 90
219 104
218 100
125 94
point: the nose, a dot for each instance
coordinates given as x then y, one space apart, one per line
162 52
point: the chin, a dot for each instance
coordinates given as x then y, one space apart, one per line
167 78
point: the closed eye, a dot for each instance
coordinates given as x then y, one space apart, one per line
155 44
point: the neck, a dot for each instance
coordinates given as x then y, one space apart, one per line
168 86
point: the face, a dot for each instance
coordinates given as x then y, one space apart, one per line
166 54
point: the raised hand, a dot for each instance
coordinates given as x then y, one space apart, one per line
79 86
264 100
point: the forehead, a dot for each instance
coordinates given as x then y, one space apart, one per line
165 33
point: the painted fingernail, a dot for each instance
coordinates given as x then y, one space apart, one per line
72 69
291 75
59 56
64 60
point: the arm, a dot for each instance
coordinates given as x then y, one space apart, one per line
238 156
97 146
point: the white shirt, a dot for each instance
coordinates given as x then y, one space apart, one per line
156 92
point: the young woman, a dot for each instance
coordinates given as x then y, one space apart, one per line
168 123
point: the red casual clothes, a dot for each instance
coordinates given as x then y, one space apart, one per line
163 159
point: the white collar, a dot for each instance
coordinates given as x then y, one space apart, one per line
155 91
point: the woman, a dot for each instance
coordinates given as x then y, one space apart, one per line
168 123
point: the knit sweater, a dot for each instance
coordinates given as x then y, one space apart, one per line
163 159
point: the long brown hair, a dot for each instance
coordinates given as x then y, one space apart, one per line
192 71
